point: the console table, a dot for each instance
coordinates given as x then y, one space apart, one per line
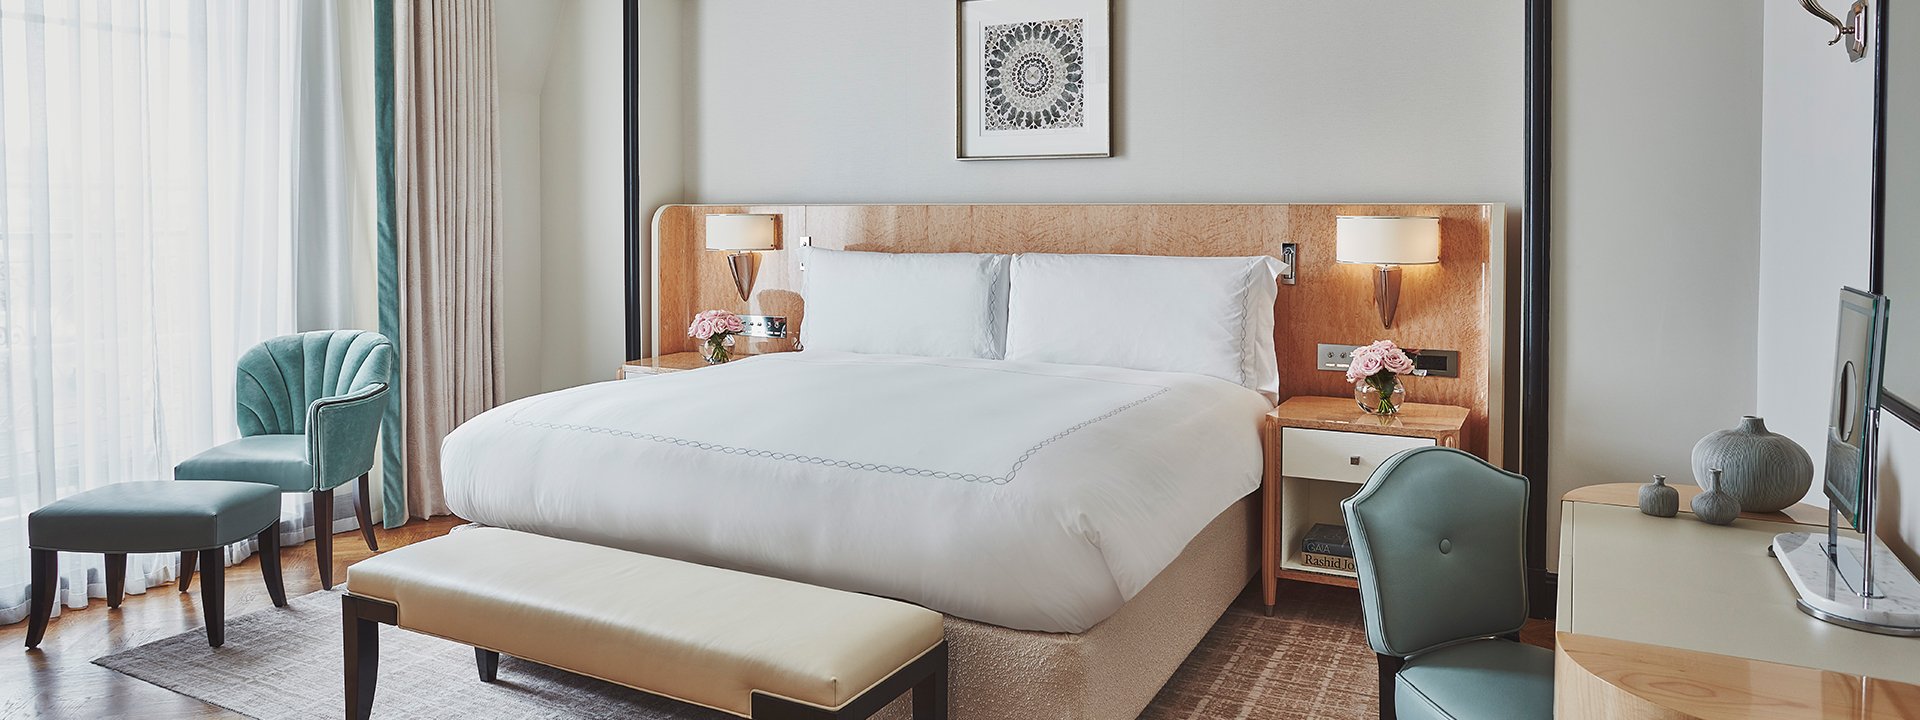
1675 618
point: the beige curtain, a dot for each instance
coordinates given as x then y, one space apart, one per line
446 164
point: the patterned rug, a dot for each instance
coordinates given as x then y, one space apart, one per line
1308 661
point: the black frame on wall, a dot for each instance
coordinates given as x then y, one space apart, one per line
1529 433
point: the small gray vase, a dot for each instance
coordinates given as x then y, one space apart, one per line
1765 471
1712 506
1659 499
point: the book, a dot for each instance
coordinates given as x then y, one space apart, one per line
1328 562
1326 539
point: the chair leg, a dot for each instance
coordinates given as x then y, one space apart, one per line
188 559
270 564
363 513
116 578
323 536
45 579
1389 669
213 594
489 663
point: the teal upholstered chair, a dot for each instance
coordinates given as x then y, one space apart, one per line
309 408
1439 537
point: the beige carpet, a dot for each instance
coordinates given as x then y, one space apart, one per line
1309 661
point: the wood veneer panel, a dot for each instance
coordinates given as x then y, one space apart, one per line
1596 677
1450 306
1628 495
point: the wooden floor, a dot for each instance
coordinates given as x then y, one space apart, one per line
59 679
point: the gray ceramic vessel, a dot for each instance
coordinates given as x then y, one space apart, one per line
1712 506
1659 499
1765 471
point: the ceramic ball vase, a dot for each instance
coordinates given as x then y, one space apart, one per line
1764 471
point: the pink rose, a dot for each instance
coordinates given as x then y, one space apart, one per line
710 323
1399 363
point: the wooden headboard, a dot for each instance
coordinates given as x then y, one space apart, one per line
1455 305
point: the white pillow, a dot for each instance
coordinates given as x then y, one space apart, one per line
929 304
1211 316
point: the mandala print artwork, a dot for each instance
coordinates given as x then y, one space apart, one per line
1033 75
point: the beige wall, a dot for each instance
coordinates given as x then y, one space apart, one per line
1656 149
523 34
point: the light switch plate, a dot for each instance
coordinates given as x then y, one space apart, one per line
764 326
1431 363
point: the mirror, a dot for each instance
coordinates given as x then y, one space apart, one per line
1897 198
1857 365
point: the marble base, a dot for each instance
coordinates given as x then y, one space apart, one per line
1832 594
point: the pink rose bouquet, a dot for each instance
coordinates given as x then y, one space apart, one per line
715 329
1375 371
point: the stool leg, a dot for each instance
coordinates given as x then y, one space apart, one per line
323 536
188 559
270 564
363 513
45 579
489 663
116 578
213 594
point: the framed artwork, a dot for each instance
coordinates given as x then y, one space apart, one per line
1034 79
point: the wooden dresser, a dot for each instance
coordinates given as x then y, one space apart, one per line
1674 618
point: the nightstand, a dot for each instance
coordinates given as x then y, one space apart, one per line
1320 450
660 365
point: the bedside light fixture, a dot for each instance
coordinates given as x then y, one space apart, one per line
740 235
1387 242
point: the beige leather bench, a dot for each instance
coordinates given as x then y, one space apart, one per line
748 645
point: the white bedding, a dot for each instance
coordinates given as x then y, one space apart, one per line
1029 495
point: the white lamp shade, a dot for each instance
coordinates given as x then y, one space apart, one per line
737 232
1387 240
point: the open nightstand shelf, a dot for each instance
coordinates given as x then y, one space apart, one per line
1320 451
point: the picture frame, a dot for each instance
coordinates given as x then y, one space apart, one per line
1033 79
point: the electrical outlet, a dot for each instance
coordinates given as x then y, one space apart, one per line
764 326
1431 363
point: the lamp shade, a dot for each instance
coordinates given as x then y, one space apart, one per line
1387 240
738 232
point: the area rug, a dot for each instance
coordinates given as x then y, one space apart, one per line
1309 661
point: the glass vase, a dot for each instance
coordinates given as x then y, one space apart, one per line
1380 397
717 349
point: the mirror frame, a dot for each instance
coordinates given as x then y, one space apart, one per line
1890 401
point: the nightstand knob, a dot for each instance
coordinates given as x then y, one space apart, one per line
1355 460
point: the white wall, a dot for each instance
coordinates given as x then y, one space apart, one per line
523 34
1815 237
1656 152
582 166
1215 101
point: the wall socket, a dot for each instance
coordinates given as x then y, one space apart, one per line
1431 363
764 326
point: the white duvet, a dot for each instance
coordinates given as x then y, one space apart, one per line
1028 495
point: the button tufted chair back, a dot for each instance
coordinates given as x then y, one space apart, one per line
1439 537
279 379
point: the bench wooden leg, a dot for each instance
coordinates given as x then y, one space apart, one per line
116 578
930 694
488 662
213 594
360 637
45 577
270 564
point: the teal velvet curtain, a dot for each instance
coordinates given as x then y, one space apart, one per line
393 468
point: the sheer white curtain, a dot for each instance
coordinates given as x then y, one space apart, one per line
147 185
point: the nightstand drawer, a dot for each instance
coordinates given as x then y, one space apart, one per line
1343 456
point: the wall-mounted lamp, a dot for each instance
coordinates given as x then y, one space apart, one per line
740 235
1387 242
1853 31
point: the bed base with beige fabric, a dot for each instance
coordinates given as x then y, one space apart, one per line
1114 669
747 645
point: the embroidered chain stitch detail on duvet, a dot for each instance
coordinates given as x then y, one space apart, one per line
849 464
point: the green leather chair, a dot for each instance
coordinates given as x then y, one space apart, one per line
309 408
1439 537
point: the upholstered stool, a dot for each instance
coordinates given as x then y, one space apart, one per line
147 517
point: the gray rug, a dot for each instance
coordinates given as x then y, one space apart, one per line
1310 662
